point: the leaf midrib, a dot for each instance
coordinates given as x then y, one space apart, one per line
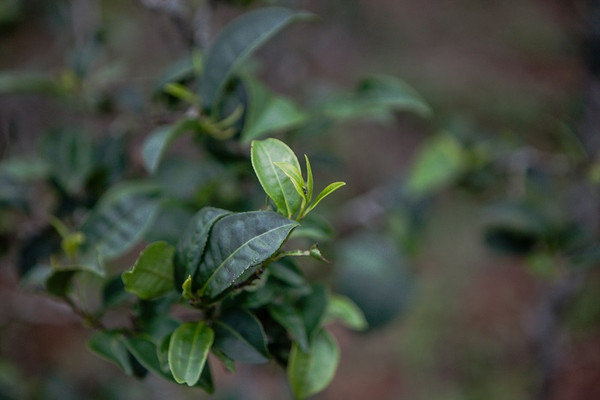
272 166
210 278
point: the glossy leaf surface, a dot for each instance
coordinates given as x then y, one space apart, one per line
188 350
276 184
238 243
190 247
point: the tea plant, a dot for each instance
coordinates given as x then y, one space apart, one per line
212 279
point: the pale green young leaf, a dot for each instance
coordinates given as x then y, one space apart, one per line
188 350
438 163
276 184
187 288
295 176
152 274
343 309
311 372
309 180
181 92
324 193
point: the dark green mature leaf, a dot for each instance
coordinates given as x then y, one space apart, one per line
152 274
228 363
258 298
303 318
236 42
188 350
159 140
173 215
268 113
240 336
278 186
312 371
312 308
145 351
287 272
238 243
69 153
59 282
149 355
291 319
110 346
37 249
113 292
120 219
159 327
190 247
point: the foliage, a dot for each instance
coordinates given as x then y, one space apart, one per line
234 270
202 269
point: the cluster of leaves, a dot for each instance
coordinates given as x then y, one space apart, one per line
253 304
532 213
228 284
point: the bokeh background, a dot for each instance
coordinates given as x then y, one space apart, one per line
451 316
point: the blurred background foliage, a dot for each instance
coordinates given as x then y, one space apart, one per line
468 234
